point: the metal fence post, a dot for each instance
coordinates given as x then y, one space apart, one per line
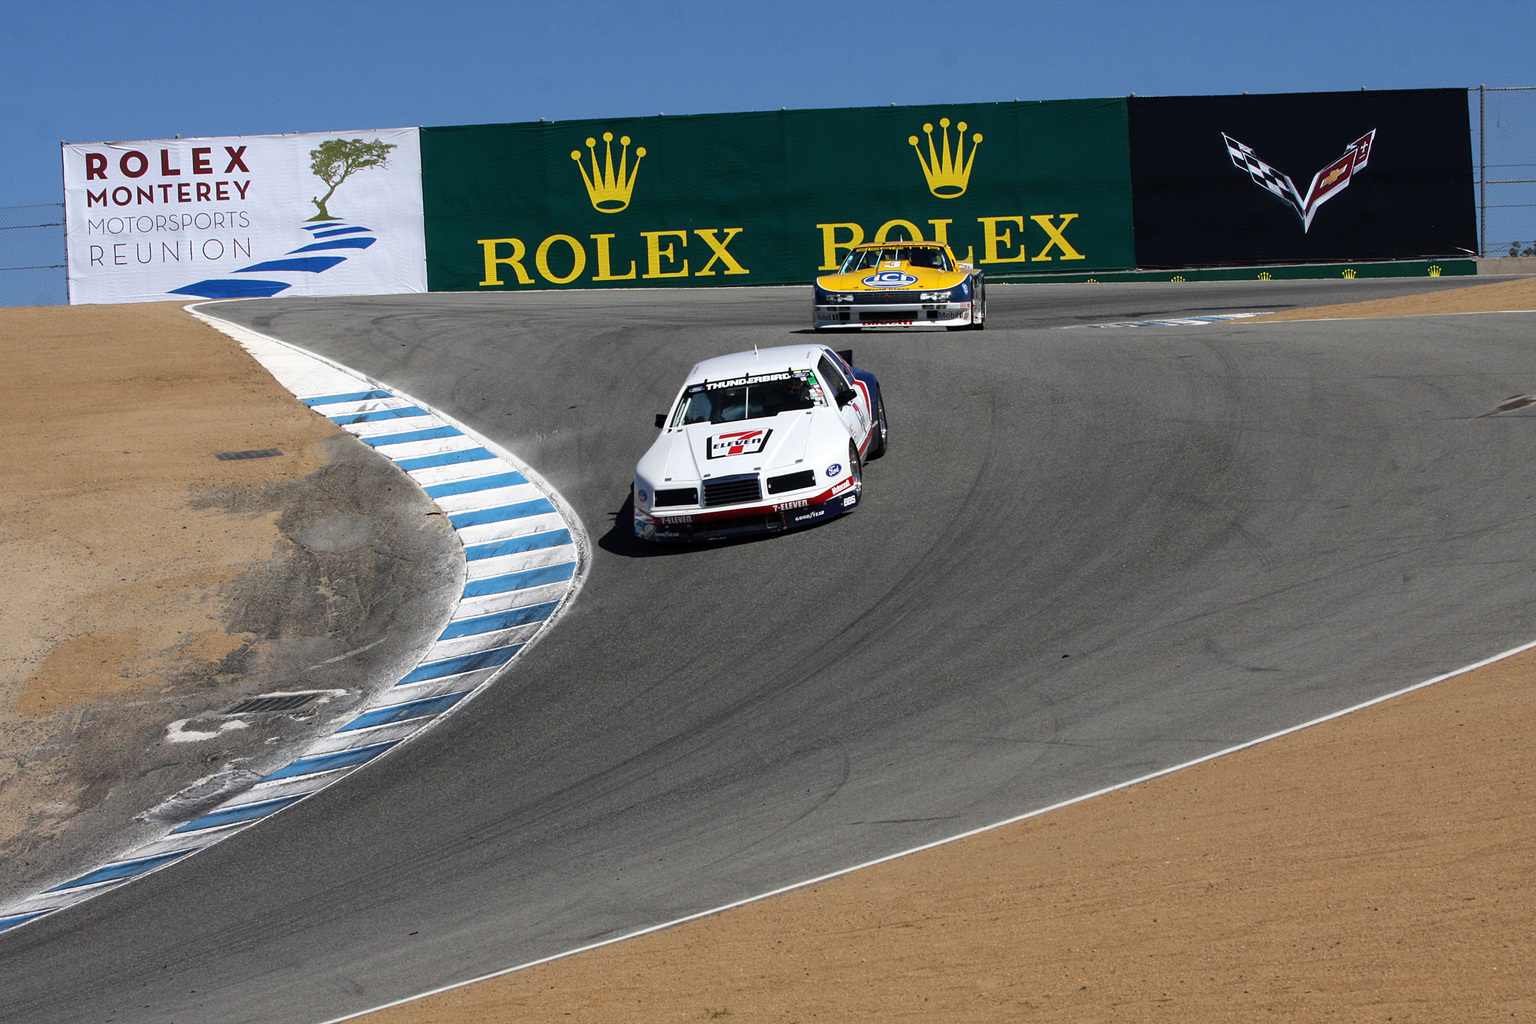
1482 170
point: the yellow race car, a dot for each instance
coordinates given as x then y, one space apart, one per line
901 284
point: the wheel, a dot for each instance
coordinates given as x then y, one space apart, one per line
978 312
877 446
856 468
978 309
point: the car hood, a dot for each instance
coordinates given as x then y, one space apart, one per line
892 279
768 445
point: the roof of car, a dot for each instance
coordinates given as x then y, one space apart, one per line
898 243
747 364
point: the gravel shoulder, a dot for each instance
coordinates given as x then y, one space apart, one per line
1518 294
149 585
1374 868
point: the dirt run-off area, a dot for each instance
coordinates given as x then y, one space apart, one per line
148 584
1377 867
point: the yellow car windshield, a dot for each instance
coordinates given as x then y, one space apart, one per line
928 256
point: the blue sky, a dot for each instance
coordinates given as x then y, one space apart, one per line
88 71
95 71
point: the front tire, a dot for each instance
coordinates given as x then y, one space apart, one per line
979 308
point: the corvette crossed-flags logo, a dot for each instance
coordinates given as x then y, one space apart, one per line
1326 183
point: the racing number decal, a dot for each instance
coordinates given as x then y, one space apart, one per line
856 414
862 407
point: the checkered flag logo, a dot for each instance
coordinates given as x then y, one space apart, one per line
1326 183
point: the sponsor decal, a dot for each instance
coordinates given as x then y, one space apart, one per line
787 505
736 382
644 496
947 175
562 258
609 190
834 469
1004 238
638 209
888 279
738 442
1326 183
336 160
244 217
850 499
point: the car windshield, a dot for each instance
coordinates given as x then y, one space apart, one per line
917 255
748 398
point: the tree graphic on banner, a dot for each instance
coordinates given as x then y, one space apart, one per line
334 161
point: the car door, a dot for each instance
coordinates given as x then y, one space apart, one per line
857 413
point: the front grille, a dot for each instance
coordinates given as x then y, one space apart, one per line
732 490
744 524
677 496
791 481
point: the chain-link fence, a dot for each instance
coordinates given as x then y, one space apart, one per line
1504 157
32 255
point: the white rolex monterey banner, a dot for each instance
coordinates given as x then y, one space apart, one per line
333 213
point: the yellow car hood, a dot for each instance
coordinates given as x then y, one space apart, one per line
892 275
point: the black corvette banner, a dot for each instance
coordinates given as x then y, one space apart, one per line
1301 177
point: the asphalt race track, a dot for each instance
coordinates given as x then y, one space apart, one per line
1088 555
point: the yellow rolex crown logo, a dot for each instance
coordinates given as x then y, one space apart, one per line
947 174
608 189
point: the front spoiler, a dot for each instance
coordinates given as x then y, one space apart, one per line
949 314
743 522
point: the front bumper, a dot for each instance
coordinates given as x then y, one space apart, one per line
925 314
745 520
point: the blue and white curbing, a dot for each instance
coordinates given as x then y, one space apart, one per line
1185 321
525 559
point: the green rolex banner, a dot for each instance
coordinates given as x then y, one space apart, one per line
774 197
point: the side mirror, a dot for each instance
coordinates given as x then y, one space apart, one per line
845 396
661 420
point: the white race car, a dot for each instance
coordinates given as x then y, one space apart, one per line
758 442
